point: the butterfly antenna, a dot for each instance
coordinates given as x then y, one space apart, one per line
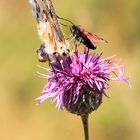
65 20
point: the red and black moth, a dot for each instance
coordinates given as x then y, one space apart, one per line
81 35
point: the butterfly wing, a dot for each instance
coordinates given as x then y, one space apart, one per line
48 28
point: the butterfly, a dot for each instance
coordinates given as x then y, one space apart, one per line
83 36
54 45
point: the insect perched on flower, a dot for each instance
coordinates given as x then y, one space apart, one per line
82 36
54 44
87 38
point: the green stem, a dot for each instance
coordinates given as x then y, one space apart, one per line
85 125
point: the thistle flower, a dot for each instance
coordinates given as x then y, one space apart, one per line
78 84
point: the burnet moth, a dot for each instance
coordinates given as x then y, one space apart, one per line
81 35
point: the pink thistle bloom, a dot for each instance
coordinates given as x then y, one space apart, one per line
79 83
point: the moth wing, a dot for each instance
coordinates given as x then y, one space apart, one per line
94 38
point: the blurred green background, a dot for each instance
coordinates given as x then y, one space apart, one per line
20 117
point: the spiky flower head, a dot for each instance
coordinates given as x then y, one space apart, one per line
79 83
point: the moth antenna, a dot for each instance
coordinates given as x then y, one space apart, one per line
64 25
65 20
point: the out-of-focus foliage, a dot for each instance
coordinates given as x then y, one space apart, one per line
20 118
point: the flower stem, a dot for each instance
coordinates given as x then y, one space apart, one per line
85 125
